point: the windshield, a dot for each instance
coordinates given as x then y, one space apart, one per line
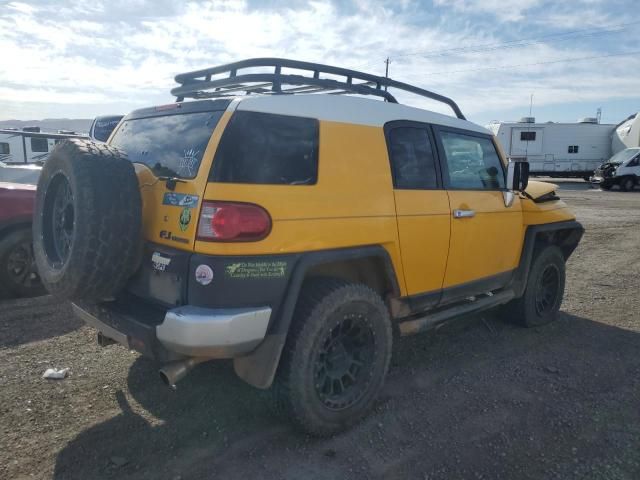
623 156
170 145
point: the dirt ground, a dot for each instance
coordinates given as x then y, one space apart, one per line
479 399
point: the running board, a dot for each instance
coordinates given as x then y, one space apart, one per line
432 320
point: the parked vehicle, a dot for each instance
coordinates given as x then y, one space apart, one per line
623 169
102 126
18 274
556 149
29 145
626 134
294 232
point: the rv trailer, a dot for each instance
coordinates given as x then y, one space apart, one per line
556 149
29 145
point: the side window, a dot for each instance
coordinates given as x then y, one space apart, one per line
527 136
263 148
573 149
634 163
472 162
411 155
39 145
4 148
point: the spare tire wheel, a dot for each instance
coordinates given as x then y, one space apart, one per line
87 222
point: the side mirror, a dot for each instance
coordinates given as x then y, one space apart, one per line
517 176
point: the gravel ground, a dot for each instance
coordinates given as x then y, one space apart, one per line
478 399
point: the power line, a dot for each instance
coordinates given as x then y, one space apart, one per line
520 42
497 67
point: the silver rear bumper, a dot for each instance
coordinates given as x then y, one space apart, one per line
214 333
185 331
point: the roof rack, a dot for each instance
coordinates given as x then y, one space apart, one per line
228 81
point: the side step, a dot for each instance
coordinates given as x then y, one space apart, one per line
432 320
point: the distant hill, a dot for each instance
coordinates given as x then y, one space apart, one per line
80 125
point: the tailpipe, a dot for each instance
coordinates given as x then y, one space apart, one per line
173 372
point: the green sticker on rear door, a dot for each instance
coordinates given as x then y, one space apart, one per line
256 269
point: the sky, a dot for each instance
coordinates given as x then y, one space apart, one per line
79 59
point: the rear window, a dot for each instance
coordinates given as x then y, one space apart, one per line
170 145
263 148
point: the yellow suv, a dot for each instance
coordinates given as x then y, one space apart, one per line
295 228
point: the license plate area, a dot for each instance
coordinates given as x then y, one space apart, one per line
162 276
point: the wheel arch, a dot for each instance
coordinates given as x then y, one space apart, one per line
565 235
370 265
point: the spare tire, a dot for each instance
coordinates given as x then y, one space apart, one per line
87 221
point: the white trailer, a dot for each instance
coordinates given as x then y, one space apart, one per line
626 134
556 149
30 145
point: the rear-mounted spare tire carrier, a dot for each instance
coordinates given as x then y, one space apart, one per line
87 221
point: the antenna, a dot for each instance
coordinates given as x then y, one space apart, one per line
530 104
598 114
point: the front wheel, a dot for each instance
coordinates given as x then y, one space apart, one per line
18 274
627 184
336 357
545 288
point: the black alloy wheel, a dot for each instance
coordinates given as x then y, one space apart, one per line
58 221
343 364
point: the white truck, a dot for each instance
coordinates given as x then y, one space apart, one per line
556 149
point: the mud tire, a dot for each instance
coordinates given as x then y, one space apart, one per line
87 222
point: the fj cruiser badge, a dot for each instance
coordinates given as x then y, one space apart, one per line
204 274
185 218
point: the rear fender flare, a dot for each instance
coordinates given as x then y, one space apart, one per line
258 368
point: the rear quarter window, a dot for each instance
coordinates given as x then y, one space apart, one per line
263 148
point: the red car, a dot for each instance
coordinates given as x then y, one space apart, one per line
18 275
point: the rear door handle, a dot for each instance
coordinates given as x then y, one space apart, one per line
464 213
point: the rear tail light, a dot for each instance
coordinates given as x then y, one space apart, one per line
233 222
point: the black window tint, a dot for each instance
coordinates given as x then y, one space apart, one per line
4 148
39 145
527 136
472 162
170 145
412 161
263 148
573 149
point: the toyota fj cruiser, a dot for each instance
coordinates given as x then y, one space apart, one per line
293 229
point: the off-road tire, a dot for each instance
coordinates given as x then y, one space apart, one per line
25 283
627 184
525 310
323 306
101 220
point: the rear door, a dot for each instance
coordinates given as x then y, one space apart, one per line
486 234
422 210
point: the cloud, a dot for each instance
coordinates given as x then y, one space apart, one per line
99 56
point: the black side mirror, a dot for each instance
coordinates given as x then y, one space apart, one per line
517 176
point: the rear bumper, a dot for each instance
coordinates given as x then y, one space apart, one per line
185 331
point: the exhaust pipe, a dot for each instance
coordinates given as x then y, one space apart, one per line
173 372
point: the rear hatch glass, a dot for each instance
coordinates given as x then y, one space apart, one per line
170 145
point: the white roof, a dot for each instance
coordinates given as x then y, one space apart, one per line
346 109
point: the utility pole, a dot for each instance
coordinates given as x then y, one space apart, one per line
386 70
530 104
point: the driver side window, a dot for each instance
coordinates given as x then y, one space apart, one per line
472 162
634 163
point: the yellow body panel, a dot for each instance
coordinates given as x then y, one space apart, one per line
343 209
537 189
488 243
424 222
354 204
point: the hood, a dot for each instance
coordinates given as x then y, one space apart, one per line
537 189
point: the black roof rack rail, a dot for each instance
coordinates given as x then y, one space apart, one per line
228 82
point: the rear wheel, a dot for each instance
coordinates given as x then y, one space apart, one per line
18 274
336 357
545 288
